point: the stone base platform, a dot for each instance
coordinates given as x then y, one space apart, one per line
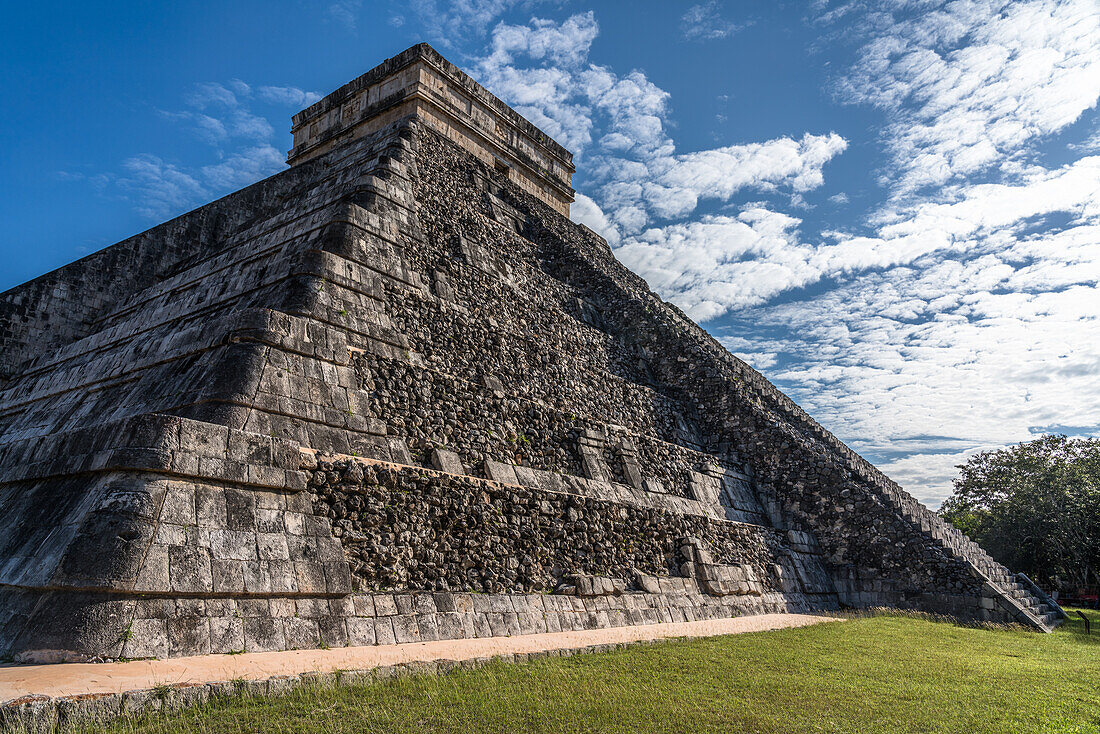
46 697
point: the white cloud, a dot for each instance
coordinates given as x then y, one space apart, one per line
750 352
704 22
636 174
969 84
565 44
929 475
981 212
463 19
220 112
221 115
958 354
587 212
1089 145
635 110
243 123
243 168
289 96
208 129
960 328
674 184
158 188
209 94
719 263
345 13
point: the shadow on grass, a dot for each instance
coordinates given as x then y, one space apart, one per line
1072 625
874 612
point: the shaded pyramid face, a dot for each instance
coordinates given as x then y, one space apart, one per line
388 395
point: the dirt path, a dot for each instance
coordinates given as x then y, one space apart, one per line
69 679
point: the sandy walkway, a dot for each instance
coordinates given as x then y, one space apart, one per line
79 678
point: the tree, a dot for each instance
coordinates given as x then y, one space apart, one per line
1035 507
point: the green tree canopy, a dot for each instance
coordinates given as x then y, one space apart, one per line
1035 507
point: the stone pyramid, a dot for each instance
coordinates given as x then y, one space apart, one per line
393 394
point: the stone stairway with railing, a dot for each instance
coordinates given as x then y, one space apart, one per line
1013 594
1036 604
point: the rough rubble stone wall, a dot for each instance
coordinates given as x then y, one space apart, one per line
479 421
408 529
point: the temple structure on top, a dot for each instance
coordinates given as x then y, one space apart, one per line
420 82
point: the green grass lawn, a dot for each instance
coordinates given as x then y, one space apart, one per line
886 674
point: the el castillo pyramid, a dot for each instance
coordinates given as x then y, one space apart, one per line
393 394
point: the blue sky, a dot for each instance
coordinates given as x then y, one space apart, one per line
890 208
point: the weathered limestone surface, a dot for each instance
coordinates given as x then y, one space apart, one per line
331 407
